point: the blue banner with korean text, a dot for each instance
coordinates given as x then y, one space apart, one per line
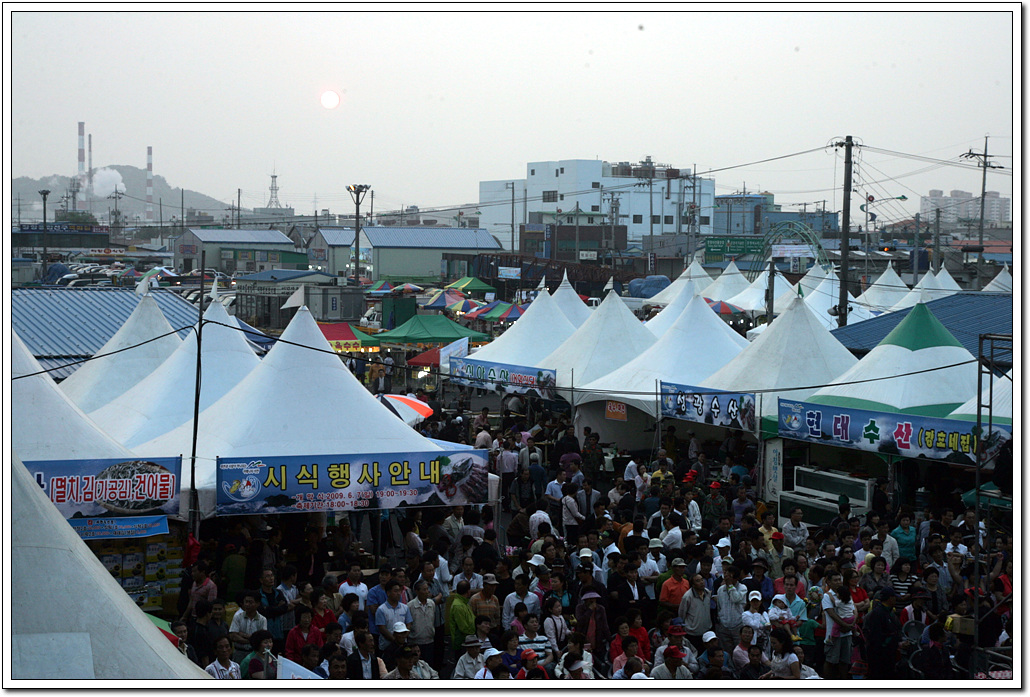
904 435
704 405
302 484
511 378
120 528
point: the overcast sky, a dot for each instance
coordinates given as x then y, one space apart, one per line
432 103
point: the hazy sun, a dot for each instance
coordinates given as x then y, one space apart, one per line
330 99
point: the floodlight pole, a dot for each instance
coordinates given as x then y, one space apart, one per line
357 193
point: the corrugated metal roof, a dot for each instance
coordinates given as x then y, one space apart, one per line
338 236
966 315
60 325
280 275
242 236
430 238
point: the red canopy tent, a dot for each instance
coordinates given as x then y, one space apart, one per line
430 358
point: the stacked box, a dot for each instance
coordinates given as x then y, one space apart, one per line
113 564
132 583
132 565
157 551
154 596
155 571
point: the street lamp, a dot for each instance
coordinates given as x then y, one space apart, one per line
357 193
44 193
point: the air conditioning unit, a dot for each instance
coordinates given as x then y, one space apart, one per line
820 489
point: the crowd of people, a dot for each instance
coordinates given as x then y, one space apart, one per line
671 569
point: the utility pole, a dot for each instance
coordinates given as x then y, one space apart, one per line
182 210
983 159
371 207
238 197
845 238
44 193
577 232
511 185
915 263
937 241
770 291
357 193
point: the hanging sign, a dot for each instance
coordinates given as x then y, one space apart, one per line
319 483
518 379
905 435
614 411
104 489
707 406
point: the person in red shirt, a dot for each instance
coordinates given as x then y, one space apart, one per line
675 586
302 634
322 615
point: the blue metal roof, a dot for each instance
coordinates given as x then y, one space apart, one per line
337 236
242 236
280 275
966 315
61 325
430 238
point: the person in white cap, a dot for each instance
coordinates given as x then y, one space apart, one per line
652 566
492 668
722 555
754 616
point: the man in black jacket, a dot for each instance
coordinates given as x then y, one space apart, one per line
363 664
883 635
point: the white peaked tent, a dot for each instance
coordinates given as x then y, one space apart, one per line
885 292
796 350
298 401
927 289
946 282
827 295
570 303
611 337
752 298
694 347
104 379
70 619
807 285
45 423
1000 401
661 322
164 399
730 282
1002 283
907 371
540 330
694 273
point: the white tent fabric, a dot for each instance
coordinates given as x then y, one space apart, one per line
729 283
70 619
796 350
45 423
321 409
906 371
695 272
826 295
752 298
1002 283
808 283
946 282
927 289
1000 401
164 399
611 337
101 380
570 303
885 292
694 347
539 331
661 322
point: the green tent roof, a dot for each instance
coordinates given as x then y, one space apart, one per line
471 285
920 330
429 329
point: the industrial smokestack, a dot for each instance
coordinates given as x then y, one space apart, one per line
82 160
150 184
89 172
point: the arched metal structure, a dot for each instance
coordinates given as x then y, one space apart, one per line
788 230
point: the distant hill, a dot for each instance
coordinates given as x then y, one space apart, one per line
133 202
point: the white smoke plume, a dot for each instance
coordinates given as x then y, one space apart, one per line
106 181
